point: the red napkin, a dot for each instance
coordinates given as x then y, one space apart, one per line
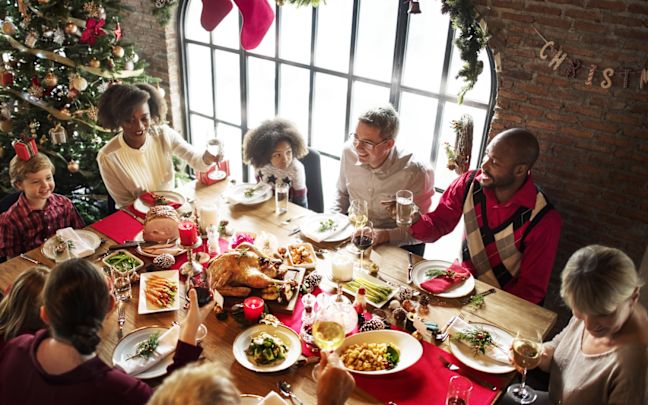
119 226
443 283
149 199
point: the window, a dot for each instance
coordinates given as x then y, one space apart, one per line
320 67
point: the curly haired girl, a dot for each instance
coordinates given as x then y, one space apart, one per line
273 149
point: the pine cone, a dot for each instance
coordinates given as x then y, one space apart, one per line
405 294
311 282
424 300
372 324
399 315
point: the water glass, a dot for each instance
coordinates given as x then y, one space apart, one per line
214 147
121 284
281 198
459 391
404 207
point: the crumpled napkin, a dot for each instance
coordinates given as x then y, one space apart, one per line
443 283
497 351
149 199
166 345
272 399
342 223
78 248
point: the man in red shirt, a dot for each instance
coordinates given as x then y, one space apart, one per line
512 231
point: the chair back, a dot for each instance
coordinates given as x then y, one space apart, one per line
313 169
8 201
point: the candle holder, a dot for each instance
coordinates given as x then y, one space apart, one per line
191 267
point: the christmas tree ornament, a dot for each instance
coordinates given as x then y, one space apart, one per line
33 128
50 80
35 91
6 78
8 27
6 125
25 149
91 9
129 65
43 2
58 135
59 36
134 57
102 13
257 19
94 63
71 28
65 111
43 140
118 51
73 166
30 39
213 12
72 93
110 63
79 83
93 30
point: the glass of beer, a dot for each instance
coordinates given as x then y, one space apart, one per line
526 355
404 207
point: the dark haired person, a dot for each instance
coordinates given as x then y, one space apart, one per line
60 365
512 231
273 149
139 158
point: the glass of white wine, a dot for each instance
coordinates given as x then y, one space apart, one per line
526 355
358 213
328 330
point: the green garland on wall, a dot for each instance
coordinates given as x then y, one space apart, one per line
162 10
472 38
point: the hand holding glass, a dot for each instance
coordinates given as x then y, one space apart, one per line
526 355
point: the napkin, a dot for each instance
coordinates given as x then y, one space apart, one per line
149 199
272 399
443 283
497 351
166 345
78 248
342 224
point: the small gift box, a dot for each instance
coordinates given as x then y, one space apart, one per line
216 173
26 149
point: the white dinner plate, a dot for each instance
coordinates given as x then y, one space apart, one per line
143 252
49 247
459 290
410 348
310 228
217 175
143 207
127 346
260 193
287 335
479 361
144 307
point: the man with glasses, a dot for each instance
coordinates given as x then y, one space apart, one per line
373 169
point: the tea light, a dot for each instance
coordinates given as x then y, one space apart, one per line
188 233
342 268
252 308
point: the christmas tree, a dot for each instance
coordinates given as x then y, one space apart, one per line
58 57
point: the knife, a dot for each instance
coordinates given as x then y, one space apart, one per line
132 215
410 268
126 245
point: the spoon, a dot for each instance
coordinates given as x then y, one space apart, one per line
286 390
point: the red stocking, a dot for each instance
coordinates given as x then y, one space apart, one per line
257 19
213 13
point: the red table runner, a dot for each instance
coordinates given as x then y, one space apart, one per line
119 226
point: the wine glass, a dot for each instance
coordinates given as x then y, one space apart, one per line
328 329
358 213
363 238
526 355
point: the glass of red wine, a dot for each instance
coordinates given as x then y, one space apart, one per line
363 238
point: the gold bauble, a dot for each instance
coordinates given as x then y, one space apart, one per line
94 63
118 51
65 111
5 126
73 166
71 28
50 80
129 65
79 83
8 27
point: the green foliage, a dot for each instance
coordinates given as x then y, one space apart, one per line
472 38
162 10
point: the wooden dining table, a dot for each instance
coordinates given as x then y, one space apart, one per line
501 309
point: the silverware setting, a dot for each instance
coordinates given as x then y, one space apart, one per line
121 318
289 220
286 390
29 259
410 268
453 367
444 332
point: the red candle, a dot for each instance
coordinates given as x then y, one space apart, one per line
252 308
188 233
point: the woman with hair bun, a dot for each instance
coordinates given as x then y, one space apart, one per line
140 157
60 365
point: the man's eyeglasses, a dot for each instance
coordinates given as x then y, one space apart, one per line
366 145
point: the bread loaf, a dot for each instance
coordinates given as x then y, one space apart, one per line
161 224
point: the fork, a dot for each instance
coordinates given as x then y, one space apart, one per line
121 318
443 334
475 378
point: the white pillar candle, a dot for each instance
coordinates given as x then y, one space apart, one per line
208 215
342 268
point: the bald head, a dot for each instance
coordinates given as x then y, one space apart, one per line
521 143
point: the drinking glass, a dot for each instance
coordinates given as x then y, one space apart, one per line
281 198
121 284
215 147
363 238
404 207
358 213
328 329
459 391
526 355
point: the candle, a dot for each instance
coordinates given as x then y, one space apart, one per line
342 268
188 233
253 308
208 215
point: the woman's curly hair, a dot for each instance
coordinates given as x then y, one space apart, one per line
259 143
116 104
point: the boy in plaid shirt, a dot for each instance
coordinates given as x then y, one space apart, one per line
39 212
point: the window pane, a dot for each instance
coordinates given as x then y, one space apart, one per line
334 35
192 28
295 34
329 112
364 97
228 87
417 118
453 111
267 46
261 80
426 43
231 136
227 32
202 129
293 96
481 91
376 37
330 174
200 78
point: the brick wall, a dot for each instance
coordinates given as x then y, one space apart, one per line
594 161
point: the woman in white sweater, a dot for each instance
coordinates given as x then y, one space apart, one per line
140 157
